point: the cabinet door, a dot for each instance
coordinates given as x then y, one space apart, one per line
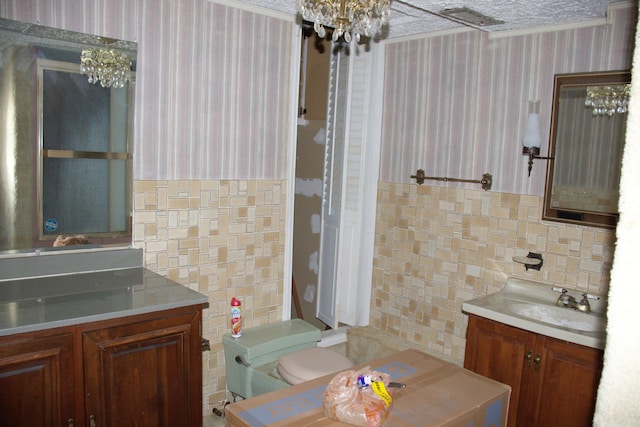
36 379
565 384
501 353
144 371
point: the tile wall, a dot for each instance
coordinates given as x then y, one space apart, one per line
435 247
223 239
438 246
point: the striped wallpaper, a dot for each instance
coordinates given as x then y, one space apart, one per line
213 82
456 105
214 88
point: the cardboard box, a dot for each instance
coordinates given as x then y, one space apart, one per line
437 393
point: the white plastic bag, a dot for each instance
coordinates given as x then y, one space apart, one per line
348 400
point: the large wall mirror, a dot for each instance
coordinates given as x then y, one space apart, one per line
65 142
588 125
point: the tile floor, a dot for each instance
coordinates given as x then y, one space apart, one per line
212 421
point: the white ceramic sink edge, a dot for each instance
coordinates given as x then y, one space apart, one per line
531 306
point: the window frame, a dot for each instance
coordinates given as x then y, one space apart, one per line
98 237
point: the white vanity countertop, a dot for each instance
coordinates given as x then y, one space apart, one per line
531 306
47 302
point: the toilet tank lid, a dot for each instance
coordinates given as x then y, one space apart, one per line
265 339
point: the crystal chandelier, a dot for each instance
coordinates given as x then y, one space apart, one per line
358 17
608 99
108 66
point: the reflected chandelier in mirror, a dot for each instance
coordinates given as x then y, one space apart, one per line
109 67
588 125
66 143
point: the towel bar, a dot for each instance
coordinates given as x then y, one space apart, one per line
486 181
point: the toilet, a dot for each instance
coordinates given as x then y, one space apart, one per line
275 356
311 363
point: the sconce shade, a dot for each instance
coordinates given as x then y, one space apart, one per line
531 138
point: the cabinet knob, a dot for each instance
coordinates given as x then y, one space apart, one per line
92 421
70 421
536 362
527 359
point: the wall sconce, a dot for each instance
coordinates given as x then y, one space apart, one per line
531 138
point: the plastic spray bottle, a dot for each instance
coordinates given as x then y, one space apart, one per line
236 318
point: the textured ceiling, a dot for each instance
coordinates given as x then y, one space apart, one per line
410 17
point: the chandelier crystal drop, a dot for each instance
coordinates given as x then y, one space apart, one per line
108 66
347 17
608 99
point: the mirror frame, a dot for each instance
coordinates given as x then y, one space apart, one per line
576 216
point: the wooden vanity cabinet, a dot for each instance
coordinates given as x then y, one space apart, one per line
554 382
143 370
37 379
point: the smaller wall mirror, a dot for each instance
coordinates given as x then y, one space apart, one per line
588 124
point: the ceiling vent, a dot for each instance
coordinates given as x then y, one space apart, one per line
464 15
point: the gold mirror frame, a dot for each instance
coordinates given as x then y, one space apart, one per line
576 214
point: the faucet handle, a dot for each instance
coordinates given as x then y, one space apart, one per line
559 289
584 303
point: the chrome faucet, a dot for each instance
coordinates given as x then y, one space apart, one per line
566 300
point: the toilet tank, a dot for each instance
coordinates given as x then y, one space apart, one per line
261 345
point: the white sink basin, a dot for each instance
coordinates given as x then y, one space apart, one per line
559 316
530 305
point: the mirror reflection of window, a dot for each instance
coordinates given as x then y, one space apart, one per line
84 153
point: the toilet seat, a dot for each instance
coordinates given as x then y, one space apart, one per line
310 363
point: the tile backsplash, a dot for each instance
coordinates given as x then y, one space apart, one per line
223 239
438 246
